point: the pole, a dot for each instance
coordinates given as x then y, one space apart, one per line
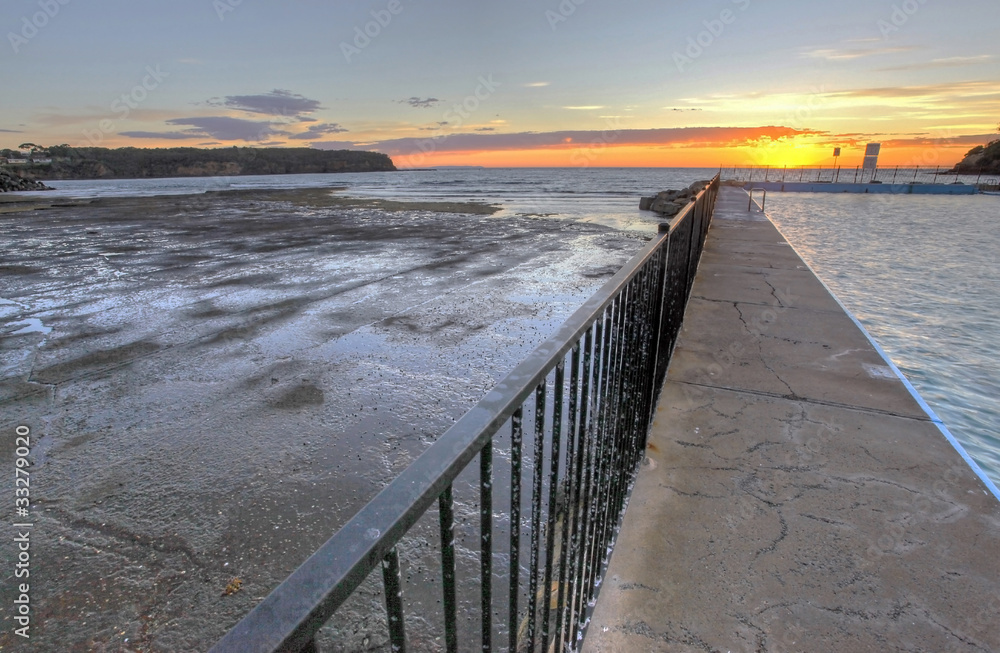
894 174
767 171
915 171
838 176
783 171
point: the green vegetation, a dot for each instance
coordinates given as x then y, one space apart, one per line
982 158
65 162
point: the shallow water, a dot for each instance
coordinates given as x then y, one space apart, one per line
920 273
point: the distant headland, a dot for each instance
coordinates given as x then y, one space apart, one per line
31 162
982 158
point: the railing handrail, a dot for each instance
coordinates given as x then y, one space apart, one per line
288 618
762 200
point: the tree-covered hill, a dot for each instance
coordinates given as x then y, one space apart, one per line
982 158
65 162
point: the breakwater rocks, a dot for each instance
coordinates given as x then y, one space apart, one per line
11 182
670 202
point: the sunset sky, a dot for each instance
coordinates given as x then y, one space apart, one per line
513 83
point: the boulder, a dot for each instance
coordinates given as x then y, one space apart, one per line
10 182
671 202
667 207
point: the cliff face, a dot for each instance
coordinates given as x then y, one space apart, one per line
135 163
984 159
11 182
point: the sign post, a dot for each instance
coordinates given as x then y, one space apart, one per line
871 160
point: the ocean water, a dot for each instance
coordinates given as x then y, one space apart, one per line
920 272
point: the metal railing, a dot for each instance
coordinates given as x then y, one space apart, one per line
855 174
569 424
763 197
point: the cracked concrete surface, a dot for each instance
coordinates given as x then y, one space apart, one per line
794 497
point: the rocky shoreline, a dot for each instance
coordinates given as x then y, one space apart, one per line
671 202
10 182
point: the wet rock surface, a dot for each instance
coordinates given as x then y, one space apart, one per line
11 182
672 202
215 383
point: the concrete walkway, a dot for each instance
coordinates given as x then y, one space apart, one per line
795 495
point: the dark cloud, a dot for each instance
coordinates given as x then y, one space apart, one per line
216 127
421 103
963 140
11 131
170 135
703 136
276 103
317 132
486 129
340 145
229 129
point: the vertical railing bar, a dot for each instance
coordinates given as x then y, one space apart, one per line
634 377
628 381
652 338
516 439
446 509
582 428
600 385
536 511
393 583
648 351
620 355
554 508
570 510
582 590
486 542
611 451
615 389
601 460
665 346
